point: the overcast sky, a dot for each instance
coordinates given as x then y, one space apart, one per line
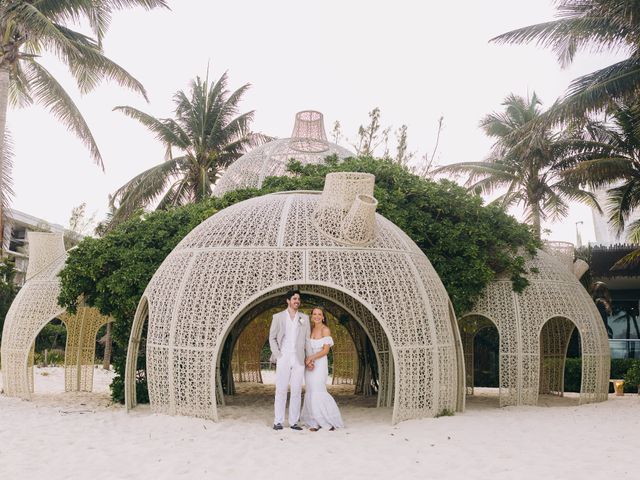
417 61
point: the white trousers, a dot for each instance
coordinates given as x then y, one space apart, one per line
288 372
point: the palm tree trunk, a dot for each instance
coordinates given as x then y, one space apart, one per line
106 358
4 102
535 220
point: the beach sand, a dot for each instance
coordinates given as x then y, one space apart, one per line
84 436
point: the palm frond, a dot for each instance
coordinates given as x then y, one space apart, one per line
143 189
166 130
46 90
6 180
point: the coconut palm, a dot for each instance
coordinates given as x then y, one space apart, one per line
207 136
528 160
619 169
594 25
30 28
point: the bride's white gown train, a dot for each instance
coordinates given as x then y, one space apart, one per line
319 409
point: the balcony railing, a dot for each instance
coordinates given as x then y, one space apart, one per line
624 348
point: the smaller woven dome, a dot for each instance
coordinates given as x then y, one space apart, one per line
535 328
308 144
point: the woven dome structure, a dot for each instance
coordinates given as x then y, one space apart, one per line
535 328
36 305
308 144
331 246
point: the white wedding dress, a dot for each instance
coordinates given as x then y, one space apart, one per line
319 409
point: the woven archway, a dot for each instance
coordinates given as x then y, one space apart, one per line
36 305
555 335
336 304
470 326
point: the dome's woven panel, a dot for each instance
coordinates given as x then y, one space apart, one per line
308 145
267 244
534 331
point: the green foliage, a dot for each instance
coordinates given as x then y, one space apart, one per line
445 412
467 243
620 367
31 29
52 337
54 358
8 291
632 377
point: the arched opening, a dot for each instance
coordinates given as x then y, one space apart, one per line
558 376
481 346
66 344
250 358
362 368
47 352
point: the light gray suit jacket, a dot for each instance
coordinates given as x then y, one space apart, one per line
279 328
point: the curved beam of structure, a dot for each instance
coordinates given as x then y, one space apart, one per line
224 265
554 292
36 305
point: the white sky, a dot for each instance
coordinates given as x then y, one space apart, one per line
414 60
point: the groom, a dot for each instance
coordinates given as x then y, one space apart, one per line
287 339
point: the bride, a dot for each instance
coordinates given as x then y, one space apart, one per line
320 409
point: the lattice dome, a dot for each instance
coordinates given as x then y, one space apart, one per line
36 305
331 246
535 328
308 144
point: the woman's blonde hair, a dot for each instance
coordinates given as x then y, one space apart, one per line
324 316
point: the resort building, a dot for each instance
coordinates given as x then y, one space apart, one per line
15 243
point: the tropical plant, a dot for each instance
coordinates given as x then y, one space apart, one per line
596 26
209 137
27 29
528 159
8 290
618 169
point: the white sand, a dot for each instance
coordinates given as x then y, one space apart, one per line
84 436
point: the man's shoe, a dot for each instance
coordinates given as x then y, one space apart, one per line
295 426
277 426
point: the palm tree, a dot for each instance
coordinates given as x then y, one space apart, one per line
594 25
619 169
29 28
208 137
527 159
